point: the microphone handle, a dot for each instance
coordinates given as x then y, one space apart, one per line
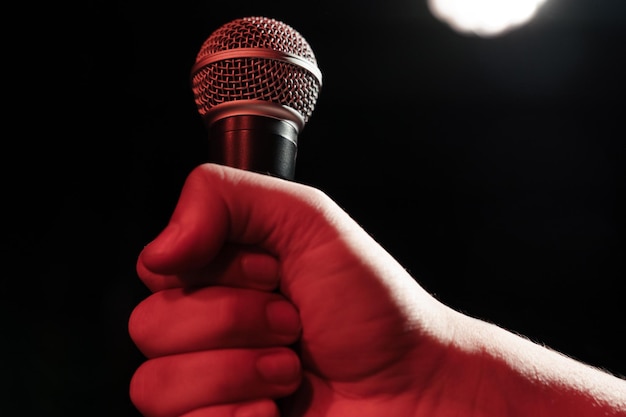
256 143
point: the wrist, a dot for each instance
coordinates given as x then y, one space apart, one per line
494 372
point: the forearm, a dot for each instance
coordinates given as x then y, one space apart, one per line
515 377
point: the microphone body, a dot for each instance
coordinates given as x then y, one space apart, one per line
255 143
255 83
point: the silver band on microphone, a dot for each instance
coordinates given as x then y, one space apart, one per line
254 108
262 53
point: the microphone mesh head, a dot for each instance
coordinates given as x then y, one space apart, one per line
243 76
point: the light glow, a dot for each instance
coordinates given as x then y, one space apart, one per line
486 18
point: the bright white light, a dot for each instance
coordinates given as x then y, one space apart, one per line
484 17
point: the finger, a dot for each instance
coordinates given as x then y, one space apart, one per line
235 265
260 408
219 204
171 386
177 321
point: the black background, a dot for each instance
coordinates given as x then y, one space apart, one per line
492 169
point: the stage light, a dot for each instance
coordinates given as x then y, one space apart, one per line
485 18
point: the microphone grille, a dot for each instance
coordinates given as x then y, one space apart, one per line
256 58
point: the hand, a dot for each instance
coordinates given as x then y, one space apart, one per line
364 320
269 298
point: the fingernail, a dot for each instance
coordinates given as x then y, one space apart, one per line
283 318
261 268
279 367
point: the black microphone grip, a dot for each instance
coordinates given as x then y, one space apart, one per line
254 143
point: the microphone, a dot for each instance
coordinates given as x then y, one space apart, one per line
255 83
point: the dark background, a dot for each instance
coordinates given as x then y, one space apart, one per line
492 169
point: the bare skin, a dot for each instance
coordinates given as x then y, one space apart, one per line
269 300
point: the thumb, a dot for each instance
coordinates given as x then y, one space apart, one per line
195 232
220 205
